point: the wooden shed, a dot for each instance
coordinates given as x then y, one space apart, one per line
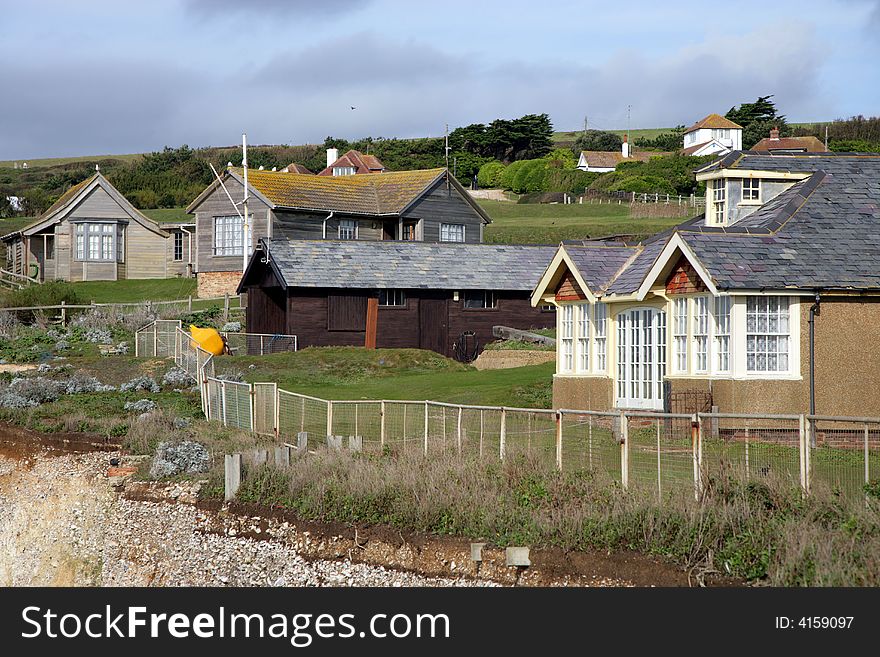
442 297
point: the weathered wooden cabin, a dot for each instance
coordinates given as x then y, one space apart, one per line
442 297
426 205
92 233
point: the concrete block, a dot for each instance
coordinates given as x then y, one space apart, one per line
302 441
356 443
282 456
232 475
334 442
477 551
517 556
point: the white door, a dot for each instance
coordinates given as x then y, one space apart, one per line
641 358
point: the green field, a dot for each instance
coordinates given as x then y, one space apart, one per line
58 161
169 215
516 223
129 291
13 224
412 374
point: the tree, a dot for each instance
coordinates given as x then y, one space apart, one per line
666 141
527 137
757 119
597 140
489 174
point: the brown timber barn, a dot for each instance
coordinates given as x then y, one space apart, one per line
442 297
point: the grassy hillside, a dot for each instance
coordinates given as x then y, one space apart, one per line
515 223
59 161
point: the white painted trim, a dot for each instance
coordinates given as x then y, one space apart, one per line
753 173
544 282
676 242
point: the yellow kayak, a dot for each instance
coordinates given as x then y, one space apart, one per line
207 338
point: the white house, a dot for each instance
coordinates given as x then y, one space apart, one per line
604 161
713 135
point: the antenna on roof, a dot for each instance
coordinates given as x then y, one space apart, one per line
446 151
244 226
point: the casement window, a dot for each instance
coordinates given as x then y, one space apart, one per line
767 334
751 190
566 336
480 299
343 171
719 201
392 298
452 232
408 232
701 334
722 334
600 325
721 133
690 137
50 247
347 229
97 242
229 235
178 246
583 337
679 334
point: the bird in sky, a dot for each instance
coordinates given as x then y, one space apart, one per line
353 107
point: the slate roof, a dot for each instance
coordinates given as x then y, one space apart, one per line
378 194
713 121
598 264
821 233
405 265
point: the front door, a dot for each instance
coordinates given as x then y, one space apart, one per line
433 329
641 358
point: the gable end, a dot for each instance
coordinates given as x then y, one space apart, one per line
684 279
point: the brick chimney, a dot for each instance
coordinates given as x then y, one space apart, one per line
624 148
774 133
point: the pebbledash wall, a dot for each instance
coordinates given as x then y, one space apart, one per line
847 369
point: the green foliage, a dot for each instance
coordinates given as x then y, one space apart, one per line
527 137
202 318
395 154
570 180
561 158
47 294
757 119
861 133
597 140
669 174
465 166
854 146
489 175
668 141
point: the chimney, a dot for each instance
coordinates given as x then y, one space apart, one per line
332 155
774 133
624 148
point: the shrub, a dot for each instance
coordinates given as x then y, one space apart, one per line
140 383
140 406
47 294
489 175
178 378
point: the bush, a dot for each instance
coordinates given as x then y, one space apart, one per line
140 383
140 406
47 294
489 175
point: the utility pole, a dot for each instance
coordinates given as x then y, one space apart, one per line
244 225
446 151
826 137
585 124
628 109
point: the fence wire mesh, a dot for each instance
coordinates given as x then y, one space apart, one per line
844 453
752 448
405 424
591 442
662 452
359 420
259 344
302 414
265 396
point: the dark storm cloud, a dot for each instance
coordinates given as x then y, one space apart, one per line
307 9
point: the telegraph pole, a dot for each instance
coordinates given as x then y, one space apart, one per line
244 225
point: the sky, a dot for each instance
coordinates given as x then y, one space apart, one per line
97 77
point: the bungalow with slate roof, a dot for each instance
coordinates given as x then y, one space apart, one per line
92 233
426 205
722 304
442 297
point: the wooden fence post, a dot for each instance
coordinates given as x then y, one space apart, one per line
503 437
232 476
559 440
624 451
226 307
459 431
329 417
63 314
426 428
382 423
189 304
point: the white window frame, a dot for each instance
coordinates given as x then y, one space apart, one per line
350 228
489 299
768 322
753 194
447 230
177 246
700 334
228 236
97 241
679 331
582 318
721 325
566 339
718 195
344 171
600 333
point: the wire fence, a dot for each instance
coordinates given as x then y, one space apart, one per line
665 453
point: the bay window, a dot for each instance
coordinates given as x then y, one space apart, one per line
679 334
719 201
722 334
601 336
583 337
229 235
701 334
97 242
767 334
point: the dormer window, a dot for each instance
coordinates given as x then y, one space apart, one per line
719 202
751 190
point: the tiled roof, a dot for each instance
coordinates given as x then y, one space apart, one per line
690 150
610 159
809 144
293 167
360 162
379 194
713 121
407 265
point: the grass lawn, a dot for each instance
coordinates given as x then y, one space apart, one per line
543 223
413 374
13 224
169 215
128 291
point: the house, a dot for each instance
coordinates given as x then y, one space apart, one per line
92 233
426 205
737 308
775 144
293 167
604 161
352 163
442 297
712 135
